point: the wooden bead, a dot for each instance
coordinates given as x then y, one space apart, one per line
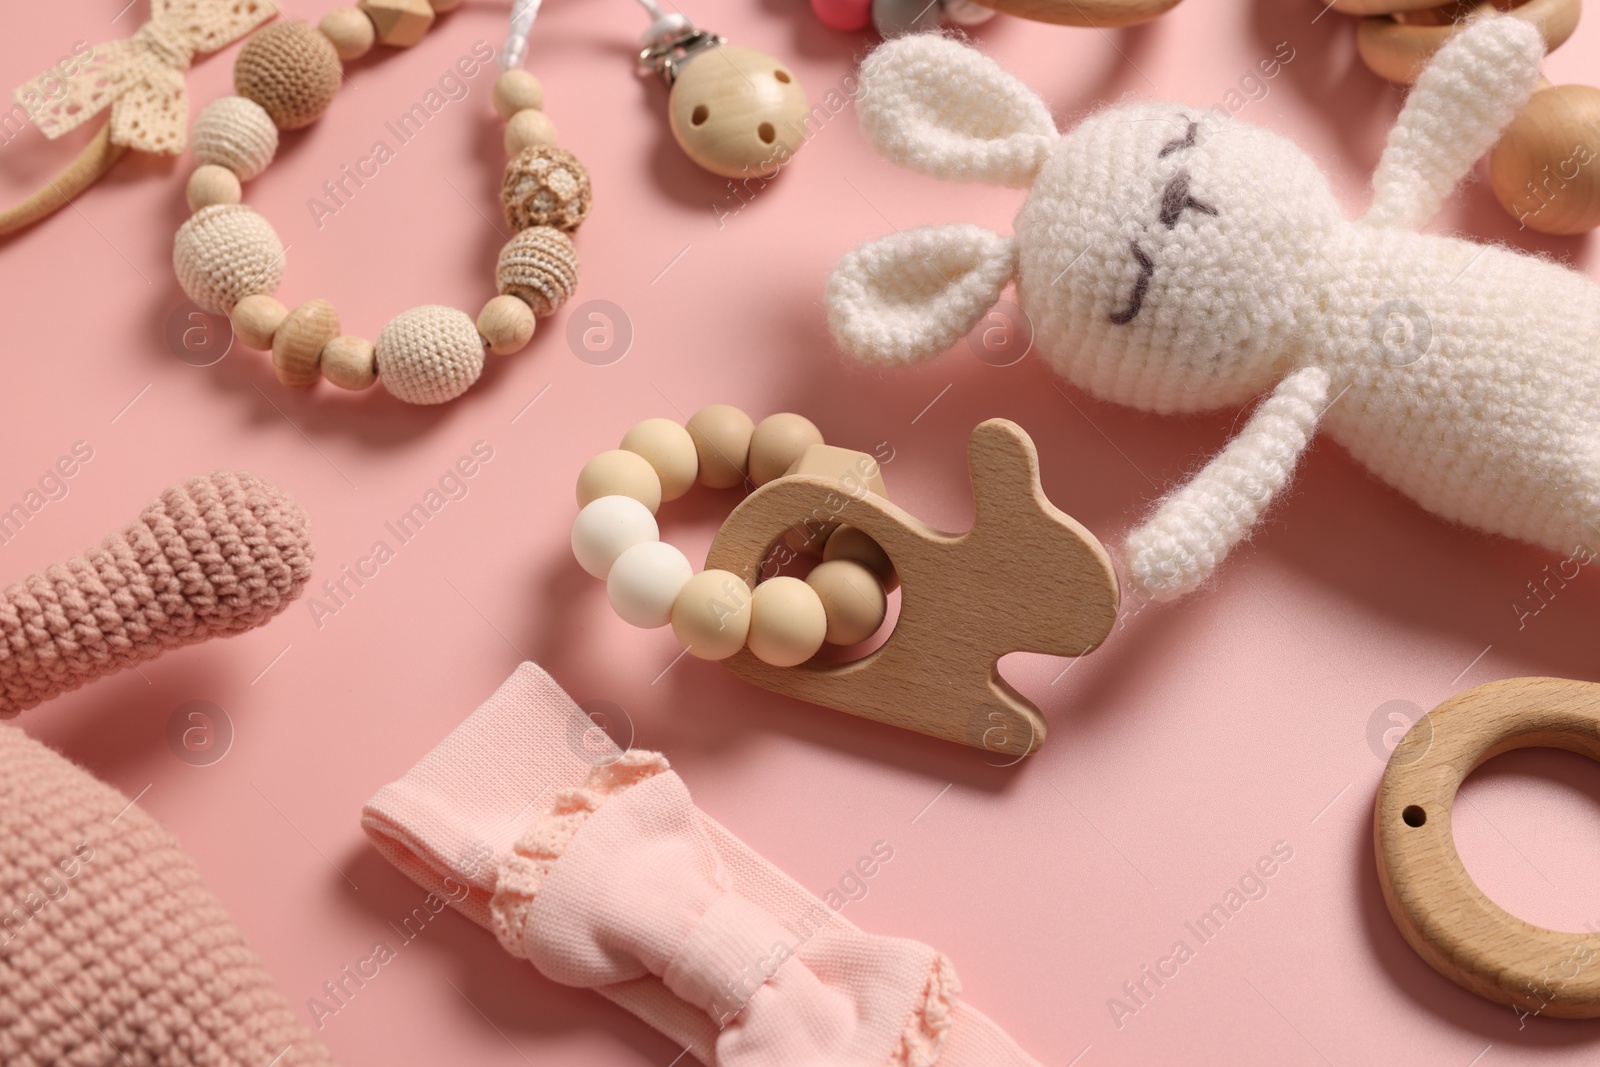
721 434
618 472
847 542
1546 169
211 184
853 473
399 23
741 114
297 343
1398 46
527 128
255 319
787 622
291 70
608 527
538 266
349 362
442 6
507 324
778 443
852 598
670 450
350 30
711 617
645 581
517 90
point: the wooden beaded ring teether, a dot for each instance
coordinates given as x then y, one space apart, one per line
1442 913
1026 577
229 260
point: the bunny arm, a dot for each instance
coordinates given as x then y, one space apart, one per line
1462 101
1194 527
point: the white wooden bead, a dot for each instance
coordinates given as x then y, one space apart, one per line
350 30
646 579
711 616
787 622
606 528
527 128
618 472
517 90
256 318
670 450
507 324
211 184
349 362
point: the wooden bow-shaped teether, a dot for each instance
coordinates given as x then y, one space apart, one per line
1025 578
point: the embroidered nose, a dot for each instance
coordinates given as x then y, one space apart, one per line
1175 200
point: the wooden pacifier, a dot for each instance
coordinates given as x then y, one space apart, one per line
1544 170
1025 578
1463 934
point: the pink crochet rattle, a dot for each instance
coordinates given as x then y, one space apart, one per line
216 556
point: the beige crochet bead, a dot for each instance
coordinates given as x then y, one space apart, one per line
670 450
297 343
211 184
255 319
349 362
236 133
618 472
400 23
711 616
721 435
291 70
852 599
779 440
350 30
517 90
527 128
225 253
429 354
540 267
506 323
545 186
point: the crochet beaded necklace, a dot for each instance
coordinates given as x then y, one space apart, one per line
742 116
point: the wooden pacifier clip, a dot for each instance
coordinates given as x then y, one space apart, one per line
1025 578
1442 913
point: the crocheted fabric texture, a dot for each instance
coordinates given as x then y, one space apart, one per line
236 133
545 186
224 253
429 354
540 266
218 555
113 953
291 70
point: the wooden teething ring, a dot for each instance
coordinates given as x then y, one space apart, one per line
1442 913
1101 14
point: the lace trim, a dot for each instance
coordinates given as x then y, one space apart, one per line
925 1031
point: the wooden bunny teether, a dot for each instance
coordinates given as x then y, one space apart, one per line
1025 578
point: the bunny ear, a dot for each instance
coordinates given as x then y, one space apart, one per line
944 108
912 295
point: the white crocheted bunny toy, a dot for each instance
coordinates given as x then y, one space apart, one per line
1174 260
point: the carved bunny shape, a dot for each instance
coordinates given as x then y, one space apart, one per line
1175 260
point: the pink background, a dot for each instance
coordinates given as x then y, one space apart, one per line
1196 738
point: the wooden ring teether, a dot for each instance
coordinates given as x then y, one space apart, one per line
1442 913
1101 14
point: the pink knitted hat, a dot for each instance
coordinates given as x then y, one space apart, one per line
218 555
113 953
599 869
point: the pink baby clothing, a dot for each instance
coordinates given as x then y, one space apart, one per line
113 953
595 865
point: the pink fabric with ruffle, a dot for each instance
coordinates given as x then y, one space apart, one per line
595 865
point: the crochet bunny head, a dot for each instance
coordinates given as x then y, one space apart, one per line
1165 255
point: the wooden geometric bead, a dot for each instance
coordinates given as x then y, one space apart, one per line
297 344
711 617
777 444
540 267
721 435
349 362
350 30
255 319
506 323
291 70
527 128
400 23
545 185
517 90
211 184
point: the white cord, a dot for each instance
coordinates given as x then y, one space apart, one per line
663 27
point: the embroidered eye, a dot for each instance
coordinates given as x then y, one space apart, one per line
1186 141
1175 200
1141 285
